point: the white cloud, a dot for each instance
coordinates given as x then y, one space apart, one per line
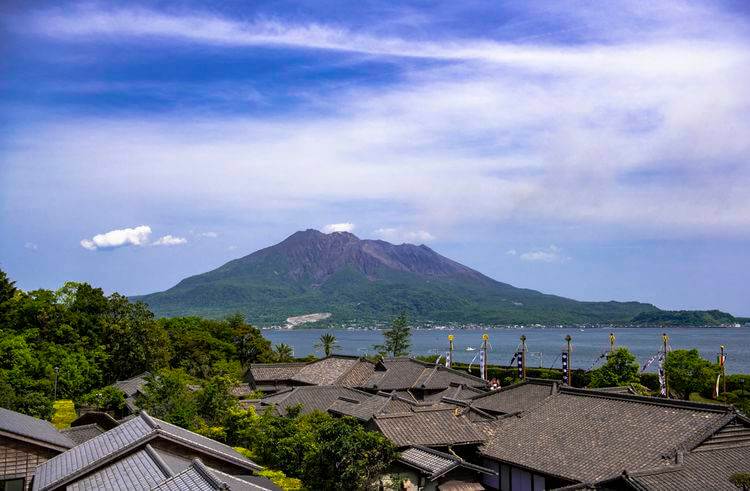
338 227
137 236
511 252
551 254
210 235
588 136
402 235
170 240
31 246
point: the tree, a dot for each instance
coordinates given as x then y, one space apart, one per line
284 353
687 372
251 346
327 342
741 480
107 398
214 400
397 339
620 369
166 396
346 454
7 293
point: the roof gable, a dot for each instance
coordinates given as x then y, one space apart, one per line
27 428
586 435
122 440
429 427
515 398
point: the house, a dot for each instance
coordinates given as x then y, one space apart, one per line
310 398
340 370
26 442
428 469
708 466
579 437
89 425
145 453
409 377
515 398
131 388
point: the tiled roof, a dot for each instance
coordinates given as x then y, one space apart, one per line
434 463
584 435
407 373
139 470
515 398
271 372
32 428
199 477
82 433
456 392
325 371
127 437
312 398
428 427
132 385
241 390
104 420
708 469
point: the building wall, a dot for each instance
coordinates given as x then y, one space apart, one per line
20 459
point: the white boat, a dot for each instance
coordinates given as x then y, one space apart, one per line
470 349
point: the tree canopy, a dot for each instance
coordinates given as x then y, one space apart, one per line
620 369
687 372
397 339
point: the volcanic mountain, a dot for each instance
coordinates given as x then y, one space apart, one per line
368 281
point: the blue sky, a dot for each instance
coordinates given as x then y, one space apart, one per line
589 152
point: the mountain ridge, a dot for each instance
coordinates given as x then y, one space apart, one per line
369 281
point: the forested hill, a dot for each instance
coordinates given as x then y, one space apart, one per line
366 281
686 318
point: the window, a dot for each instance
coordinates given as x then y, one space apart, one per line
12 485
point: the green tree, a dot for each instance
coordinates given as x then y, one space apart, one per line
327 342
741 480
214 400
107 398
397 339
166 396
250 344
346 454
620 369
687 372
8 292
284 353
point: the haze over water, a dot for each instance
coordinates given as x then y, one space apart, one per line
544 344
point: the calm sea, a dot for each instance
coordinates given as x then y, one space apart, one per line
544 344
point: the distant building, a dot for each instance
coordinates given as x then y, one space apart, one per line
26 442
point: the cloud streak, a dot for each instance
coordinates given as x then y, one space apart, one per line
338 227
551 254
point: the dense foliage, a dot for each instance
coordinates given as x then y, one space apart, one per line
685 318
620 369
687 372
94 339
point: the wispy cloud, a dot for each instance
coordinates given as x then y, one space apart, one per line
338 227
209 235
137 236
551 254
169 240
393 234
30 246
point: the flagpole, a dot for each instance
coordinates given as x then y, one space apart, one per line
568 339
523 359
611 342
485 337
450 350
665 339
723 370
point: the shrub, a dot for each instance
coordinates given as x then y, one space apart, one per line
281 480
64 414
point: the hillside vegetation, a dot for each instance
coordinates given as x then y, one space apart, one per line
369 281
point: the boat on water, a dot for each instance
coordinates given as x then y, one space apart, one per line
470 349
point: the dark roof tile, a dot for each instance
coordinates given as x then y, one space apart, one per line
33 428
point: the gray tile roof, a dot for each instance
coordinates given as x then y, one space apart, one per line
708 469
515 398
122 439
436 464
104 420
38 430
139 470
132 385
457 392
199 477
312 398
429 427
271 372
407 373
584 435
82 433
